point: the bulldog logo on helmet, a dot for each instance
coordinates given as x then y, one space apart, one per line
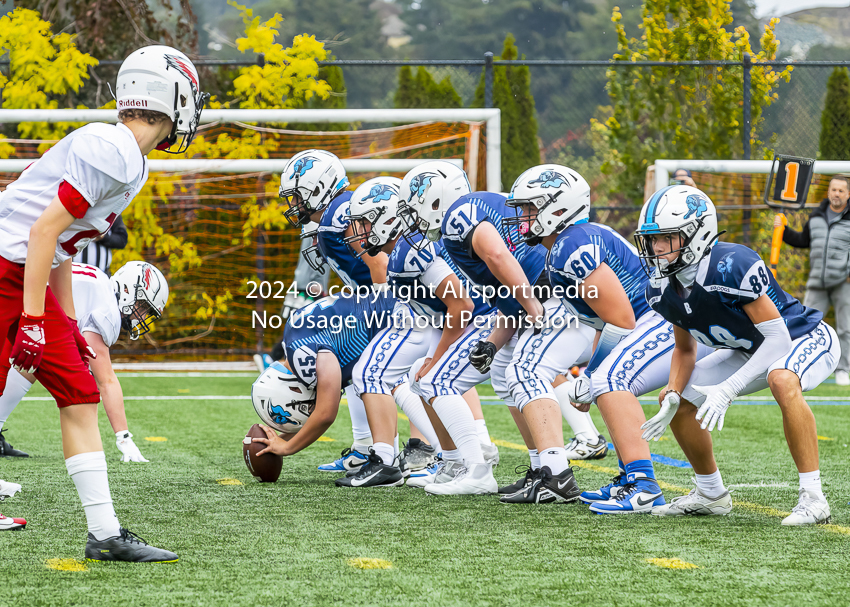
279 416
419 185
696 204
550 179
302 165
381 192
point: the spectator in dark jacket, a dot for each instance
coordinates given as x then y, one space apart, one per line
827 234
99 251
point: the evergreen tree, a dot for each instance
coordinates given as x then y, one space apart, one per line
422 91
835 119
512 95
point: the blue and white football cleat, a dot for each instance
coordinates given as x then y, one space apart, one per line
639 495
348 461
609 491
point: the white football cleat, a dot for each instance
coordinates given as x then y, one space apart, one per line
579 448
695 503
810 510
475 480
8 489
440 472
491 454
11 524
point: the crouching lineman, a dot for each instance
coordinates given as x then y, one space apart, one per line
722 295
59 204
133 299
323 343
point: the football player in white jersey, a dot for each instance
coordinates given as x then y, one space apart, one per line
132 299
68 197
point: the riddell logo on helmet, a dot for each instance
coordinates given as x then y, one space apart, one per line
128 103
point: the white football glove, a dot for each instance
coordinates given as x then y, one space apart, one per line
656 426
579 391
130 452
713 410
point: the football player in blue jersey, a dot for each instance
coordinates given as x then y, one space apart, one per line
420 276
599 274
723 296
323 343
490 256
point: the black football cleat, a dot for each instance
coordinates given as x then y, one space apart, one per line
374 473
7 450
546 488
522 483
127 547
417 455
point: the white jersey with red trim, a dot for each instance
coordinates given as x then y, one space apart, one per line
95 303
102 162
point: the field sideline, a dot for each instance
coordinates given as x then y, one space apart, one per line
304 541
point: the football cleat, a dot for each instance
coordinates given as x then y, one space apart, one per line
609 491
349 460
546 488
374 473
7 450
417 455
127 547
473 480
12 524
810 510
491 454
695 503
578 448
8 489
640 494
521 483
440 472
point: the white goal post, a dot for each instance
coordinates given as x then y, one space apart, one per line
492 118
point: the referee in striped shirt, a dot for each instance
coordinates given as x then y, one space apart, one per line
99 251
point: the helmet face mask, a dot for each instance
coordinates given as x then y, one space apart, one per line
427 193
140 320
142 293
374 213
297 212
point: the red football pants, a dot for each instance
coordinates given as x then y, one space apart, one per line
62 370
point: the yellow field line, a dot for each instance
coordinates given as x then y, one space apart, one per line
753 507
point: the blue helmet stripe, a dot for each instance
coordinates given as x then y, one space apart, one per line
653 202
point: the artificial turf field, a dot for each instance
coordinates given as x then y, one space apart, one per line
303 541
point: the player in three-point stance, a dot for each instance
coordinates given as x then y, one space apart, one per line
439 308
132 299
723 296
55 208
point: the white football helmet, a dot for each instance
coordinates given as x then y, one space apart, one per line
560 196
677 210
163 79
427 192
142 293
281 401
376 201
309 182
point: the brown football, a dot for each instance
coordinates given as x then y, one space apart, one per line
265 467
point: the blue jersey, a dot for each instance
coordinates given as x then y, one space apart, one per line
728 278
458 225
331 238
582 248
416 274
343 326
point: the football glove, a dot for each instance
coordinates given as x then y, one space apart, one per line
656 426
717 401
83 347
129 451
482 355
28 349
579 390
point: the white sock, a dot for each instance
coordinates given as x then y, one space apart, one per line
413 408
581 423
385 452
452 455
483 434
535 459
88 471
457 418
16 388
395 446
359 422
810 481
710 485
362 447
555 458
